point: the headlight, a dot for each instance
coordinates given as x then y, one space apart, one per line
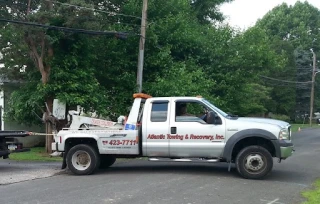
284 134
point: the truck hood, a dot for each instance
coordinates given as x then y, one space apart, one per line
280 123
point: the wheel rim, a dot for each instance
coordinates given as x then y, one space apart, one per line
254 163
81 160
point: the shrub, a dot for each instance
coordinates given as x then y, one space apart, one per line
281 117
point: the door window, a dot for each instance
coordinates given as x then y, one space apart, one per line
191 112
159 112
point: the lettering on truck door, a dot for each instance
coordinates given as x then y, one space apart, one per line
190 134
157 129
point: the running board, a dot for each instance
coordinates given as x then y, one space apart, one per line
183 160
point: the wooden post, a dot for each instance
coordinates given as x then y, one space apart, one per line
141 46
312 87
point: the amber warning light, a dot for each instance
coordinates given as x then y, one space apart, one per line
141 95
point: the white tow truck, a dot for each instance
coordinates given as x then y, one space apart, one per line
179 129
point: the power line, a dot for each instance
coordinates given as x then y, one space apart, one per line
92 19
286 81
107 20
285 84
121 35
99 10
288 85
93 9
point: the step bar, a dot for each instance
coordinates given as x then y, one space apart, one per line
183 160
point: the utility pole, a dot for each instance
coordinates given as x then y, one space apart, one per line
141 46
29 5
312 86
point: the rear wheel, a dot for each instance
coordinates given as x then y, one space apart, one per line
254 162
82 159
106 161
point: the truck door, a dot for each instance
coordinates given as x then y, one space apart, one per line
157 127
190 135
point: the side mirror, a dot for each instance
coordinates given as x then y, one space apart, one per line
213 118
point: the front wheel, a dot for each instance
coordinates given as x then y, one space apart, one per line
254 162
82 159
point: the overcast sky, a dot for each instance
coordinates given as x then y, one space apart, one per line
244 13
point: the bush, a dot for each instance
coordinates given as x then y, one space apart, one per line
280 117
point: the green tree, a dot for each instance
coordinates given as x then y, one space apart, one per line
176 45
240 60
294 31
60 60
297 24
207 10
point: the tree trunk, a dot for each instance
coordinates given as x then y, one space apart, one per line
45 79
49 137
41 57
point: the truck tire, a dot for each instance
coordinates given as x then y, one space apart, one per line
254 162
106 161
83 159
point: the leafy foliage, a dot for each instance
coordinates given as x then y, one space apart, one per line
294 31
184 55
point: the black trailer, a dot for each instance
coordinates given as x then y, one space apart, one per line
8 144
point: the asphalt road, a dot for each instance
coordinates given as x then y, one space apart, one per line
140 181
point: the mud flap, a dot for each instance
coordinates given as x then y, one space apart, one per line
64 162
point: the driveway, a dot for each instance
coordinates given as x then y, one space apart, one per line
14 171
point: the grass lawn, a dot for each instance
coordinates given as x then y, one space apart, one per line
295 127
313 195
35 154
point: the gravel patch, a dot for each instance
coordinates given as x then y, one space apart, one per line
14 171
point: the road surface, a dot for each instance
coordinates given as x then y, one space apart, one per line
140 181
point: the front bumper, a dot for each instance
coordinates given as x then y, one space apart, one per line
286 152
286 148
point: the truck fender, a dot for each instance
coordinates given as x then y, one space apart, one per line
234 139
79 136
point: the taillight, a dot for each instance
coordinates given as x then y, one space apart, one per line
60 139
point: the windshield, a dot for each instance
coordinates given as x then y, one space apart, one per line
214 108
